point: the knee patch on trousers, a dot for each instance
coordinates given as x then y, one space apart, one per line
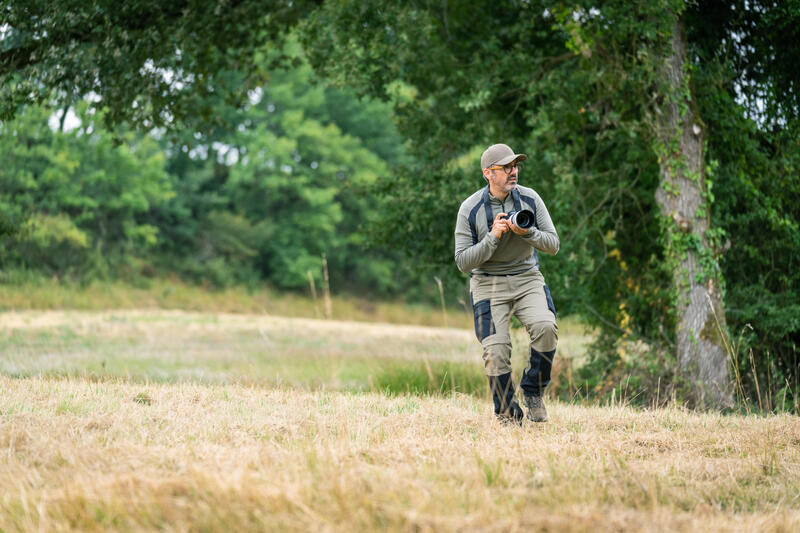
497 359
544 336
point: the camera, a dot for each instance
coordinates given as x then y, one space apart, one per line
522 218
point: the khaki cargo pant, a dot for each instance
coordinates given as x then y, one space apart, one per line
495 299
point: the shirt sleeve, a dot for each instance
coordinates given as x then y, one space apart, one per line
468 255
543 235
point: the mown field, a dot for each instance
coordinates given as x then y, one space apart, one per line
205 421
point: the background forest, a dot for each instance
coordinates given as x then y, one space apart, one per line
261 200
353 141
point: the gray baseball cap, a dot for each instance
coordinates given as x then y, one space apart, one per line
500 154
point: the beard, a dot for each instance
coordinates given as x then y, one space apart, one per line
504 183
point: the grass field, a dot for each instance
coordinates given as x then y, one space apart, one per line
198 421
51 294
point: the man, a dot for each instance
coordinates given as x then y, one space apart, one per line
503 264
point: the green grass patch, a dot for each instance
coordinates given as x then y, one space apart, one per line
165 347
432 378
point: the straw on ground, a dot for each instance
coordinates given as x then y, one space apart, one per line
83 452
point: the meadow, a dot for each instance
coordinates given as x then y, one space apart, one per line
157 419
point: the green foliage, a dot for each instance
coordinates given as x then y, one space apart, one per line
578 87
8 226
583 127
82 196
287 182
416 215
261 187
757 193
150 62
290 181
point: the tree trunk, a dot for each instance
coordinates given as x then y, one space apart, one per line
682 197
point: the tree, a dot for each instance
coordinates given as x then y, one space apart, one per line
603 95
283 183
148 62
682 196
288 182
747 96
83 199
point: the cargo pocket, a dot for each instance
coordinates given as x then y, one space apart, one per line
550 305
483 319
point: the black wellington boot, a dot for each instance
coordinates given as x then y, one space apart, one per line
536 377
506 407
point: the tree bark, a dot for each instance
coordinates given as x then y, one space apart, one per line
682 197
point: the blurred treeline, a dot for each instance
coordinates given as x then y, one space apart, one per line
285 185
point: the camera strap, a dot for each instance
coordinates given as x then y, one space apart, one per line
487 206
515 196
488 210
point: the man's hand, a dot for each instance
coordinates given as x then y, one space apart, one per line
500 225
516 229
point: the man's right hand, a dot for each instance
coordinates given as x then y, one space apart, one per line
500 225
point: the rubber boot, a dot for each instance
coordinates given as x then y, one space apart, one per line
536 377
506 407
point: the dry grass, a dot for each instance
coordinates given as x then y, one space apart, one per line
98 450
47 294
85 456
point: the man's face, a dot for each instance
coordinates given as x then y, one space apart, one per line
503 178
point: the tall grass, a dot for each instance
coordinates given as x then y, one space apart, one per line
773 390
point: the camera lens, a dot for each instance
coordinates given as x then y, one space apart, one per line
523 219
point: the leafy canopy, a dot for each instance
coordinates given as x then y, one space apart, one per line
148 62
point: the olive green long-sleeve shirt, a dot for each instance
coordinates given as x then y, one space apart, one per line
479 252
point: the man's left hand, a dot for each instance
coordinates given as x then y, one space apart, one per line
516 229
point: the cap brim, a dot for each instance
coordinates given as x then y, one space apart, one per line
514 158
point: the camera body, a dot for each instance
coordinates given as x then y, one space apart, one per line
523 218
